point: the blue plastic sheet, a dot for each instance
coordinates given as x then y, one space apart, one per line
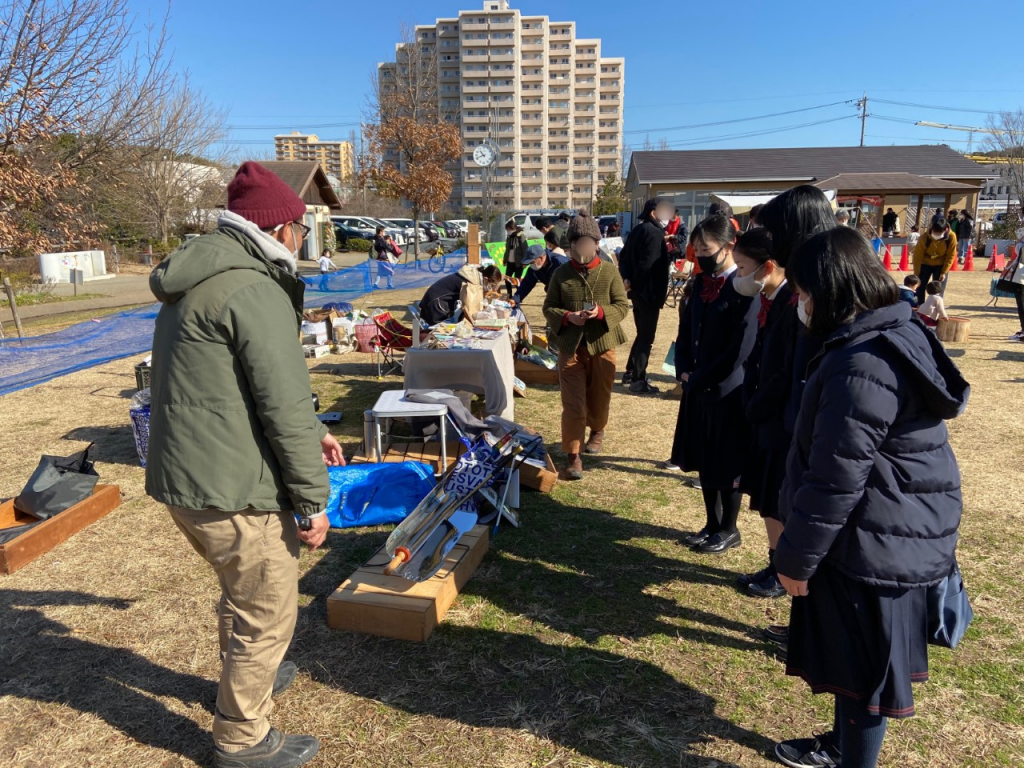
376 494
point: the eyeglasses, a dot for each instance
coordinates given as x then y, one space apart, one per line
303 229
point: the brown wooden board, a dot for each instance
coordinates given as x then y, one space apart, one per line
389 606
533 374
40 539
542 480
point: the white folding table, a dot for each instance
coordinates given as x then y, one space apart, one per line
393 405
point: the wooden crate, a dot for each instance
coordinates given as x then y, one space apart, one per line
389 606
533 374
542 480
48 534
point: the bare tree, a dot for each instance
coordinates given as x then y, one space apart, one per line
178 176
1006 141
408 141
72 78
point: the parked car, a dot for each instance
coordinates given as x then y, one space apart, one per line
462 224
606 221
407 226
343 234
370 223
447 230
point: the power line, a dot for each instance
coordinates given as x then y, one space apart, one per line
748 134
661 105
918 138
941 108
288 124
734 120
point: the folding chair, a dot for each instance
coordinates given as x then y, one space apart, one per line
392 337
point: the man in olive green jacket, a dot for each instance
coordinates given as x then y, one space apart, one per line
236 450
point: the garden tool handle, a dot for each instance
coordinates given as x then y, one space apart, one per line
401 556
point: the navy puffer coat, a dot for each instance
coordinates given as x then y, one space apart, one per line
872 485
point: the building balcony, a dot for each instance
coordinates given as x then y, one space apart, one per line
611 141
532 44
532 160
533 119
508 87
501 57
500 26
532 77
476 119
558 151
608 86
466 88
586 96
449 75
553 110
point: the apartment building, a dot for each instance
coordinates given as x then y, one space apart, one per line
547 99
335 157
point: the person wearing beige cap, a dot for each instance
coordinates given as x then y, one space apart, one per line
585 306
236 451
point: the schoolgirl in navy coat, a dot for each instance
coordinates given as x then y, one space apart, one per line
716 335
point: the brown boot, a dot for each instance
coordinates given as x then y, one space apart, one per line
573 467
595 442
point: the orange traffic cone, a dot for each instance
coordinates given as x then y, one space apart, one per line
905 259
887 261
995 263
956 266
969 261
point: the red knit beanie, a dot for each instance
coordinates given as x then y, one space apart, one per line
261 197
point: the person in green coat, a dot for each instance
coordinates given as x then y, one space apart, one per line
236 451
585 306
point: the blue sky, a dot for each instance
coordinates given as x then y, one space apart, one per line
295 66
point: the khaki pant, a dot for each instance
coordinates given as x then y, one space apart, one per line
255 556
586 382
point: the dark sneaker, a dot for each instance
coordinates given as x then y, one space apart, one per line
668 466
643 387
720 543
285 677
627 378
693 482
782 652
749 578
815 753
275 751
776 633
770 586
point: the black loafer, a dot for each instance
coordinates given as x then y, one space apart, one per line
776 633
768 587
696 539
275 751
751 578
720 542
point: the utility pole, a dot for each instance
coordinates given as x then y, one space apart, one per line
862 103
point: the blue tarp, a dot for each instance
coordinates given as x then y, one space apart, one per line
37 359
376 494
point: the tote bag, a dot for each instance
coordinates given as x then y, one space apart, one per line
949 610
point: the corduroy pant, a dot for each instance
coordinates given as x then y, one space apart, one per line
586 382
256 558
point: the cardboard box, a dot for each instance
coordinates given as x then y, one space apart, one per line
316 350
317 330
542 480
390 606
41 538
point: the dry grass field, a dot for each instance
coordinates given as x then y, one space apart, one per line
589 637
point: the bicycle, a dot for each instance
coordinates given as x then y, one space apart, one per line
438 260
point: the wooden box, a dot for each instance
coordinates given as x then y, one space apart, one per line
390 606
533 374
48 534
542 480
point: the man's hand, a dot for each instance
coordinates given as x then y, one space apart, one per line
577 318
685 377
794 588
333 455
513 303
628 284
316 535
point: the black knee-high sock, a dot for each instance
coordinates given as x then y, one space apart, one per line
730 505
712 509
861 734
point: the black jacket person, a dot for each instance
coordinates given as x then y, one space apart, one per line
644 266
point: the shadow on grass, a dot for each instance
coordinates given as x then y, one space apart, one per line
114 445
576 571
44 662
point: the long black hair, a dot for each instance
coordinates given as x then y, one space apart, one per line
843 276
794 216
492 273
717 229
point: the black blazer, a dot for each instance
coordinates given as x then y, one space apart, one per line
768 380
715 340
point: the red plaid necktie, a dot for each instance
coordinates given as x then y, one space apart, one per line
762 313
711 288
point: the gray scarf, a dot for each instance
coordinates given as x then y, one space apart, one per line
272 250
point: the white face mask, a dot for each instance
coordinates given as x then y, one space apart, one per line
749 285
663 222
801 312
